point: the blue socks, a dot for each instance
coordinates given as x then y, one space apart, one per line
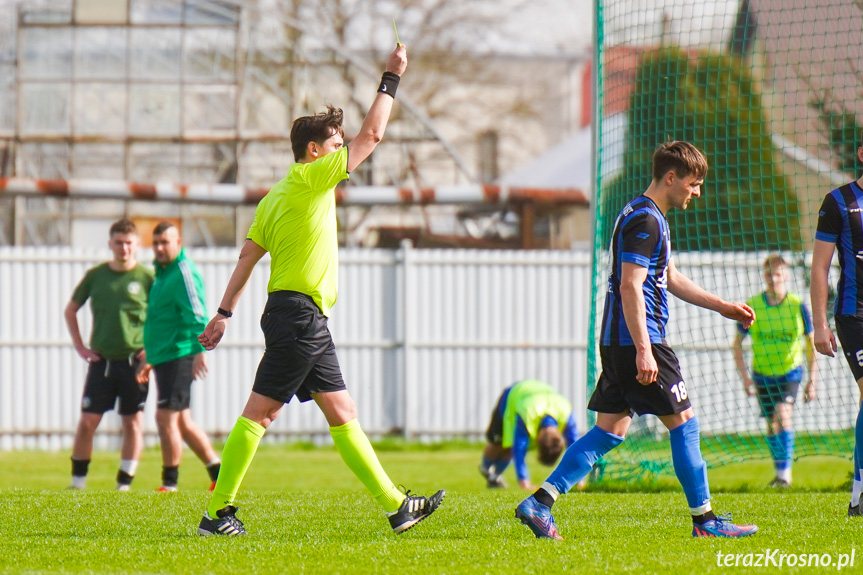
689 466
579 458
857 484
495 466
781 448
858 446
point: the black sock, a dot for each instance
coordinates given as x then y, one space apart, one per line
543 497
79 467
213 470
702 519
124 478
170 475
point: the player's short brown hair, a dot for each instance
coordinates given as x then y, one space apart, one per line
123 226
681 157
774 261
550 445
162 227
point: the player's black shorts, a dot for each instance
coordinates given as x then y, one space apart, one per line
849 329
773 390
174 383
108 380
618 389
300 357
494 433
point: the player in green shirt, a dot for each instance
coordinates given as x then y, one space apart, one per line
779 337
530 412
296 223
117 291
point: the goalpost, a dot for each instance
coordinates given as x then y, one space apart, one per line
768 89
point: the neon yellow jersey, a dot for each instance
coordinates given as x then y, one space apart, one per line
532 400
296 223
777 334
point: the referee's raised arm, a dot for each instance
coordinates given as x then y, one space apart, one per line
372 130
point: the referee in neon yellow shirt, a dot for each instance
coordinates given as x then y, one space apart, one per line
783 328
296 223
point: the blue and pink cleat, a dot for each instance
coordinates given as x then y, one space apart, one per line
538 518
722 527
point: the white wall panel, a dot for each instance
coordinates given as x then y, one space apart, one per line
427 339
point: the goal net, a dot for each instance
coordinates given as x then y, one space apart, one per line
769 90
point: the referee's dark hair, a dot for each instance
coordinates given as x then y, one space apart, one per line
316 128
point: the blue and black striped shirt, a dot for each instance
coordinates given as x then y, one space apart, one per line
840 222
641 236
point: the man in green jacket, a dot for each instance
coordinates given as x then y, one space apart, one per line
175 317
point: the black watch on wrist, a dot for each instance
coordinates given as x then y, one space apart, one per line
224 312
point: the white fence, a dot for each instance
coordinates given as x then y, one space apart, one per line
426 339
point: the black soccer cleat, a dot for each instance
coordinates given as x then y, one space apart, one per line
414 509
855 510
226 523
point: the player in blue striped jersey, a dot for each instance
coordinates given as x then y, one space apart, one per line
840 228
640 373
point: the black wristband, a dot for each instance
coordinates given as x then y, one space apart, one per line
224 312
389 84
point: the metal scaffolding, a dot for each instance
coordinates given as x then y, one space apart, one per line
182 91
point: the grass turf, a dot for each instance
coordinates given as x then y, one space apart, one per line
308 514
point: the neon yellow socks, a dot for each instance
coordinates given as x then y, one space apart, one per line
351 442
359 456
239 451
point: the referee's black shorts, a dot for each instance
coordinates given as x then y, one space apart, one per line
300 357
618 390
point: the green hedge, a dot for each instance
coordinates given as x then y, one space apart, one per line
709 100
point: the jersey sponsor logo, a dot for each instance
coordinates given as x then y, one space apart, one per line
642 235
781 337
134 288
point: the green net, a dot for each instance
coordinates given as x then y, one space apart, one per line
769 91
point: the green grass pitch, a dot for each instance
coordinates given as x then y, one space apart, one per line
308 514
